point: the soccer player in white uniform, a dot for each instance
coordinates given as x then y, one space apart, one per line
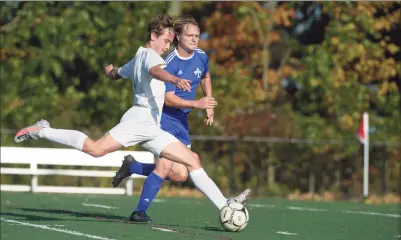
189 62
141 123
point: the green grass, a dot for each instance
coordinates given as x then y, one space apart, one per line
189 218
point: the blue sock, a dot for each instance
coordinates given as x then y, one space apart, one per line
149 191
141 168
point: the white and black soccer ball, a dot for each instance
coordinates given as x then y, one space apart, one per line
234 217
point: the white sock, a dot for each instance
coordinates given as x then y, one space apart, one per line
208 187
70 138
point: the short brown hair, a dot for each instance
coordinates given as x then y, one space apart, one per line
181 22
158 24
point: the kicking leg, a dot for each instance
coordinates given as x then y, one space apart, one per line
179 153
178 173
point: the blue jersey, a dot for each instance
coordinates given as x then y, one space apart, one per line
193 68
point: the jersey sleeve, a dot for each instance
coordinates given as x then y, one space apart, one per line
206 62
126 71
153 59
171 68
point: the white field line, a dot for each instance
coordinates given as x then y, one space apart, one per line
99 206
163 229
394 215
55 225
260 206
375 214
55 229
397 236
286 233
306 209
159 200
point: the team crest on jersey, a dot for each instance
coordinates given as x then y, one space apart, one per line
198 72
179 73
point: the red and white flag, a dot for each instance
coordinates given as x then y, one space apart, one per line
363 136
362 131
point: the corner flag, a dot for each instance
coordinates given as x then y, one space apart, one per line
363 135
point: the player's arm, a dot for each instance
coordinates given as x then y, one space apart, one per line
159 73
173 100
112 72
125 71
206 84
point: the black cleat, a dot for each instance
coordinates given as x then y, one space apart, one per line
140 217
123 172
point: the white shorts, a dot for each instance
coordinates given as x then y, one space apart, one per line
150 136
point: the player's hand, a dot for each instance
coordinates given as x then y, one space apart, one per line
184 84
209 117
205 102
108 68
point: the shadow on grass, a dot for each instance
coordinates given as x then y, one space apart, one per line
116 219
206 228
29 217
73 213
213 229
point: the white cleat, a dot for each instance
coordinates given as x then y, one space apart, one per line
241 198
31 132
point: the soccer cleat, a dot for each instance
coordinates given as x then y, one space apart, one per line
242 198
31 132
123 172
140 217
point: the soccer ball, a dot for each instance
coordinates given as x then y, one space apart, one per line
234 217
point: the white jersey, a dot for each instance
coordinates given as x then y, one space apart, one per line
141 123
148 92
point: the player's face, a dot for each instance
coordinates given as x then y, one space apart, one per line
189 38
162 43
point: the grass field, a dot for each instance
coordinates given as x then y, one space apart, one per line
65 216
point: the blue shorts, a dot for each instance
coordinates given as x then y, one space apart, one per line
176 128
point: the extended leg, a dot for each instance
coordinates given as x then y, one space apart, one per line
72 138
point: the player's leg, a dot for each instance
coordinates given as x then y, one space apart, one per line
126 133
150 189
131 166
179 153
72 138
178 173
141 168
42 129
154 181
167 146
170 125
101 147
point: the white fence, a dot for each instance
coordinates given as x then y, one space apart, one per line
67 157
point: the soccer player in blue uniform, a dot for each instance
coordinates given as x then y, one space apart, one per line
189 62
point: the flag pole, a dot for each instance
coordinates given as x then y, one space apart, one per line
366 155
